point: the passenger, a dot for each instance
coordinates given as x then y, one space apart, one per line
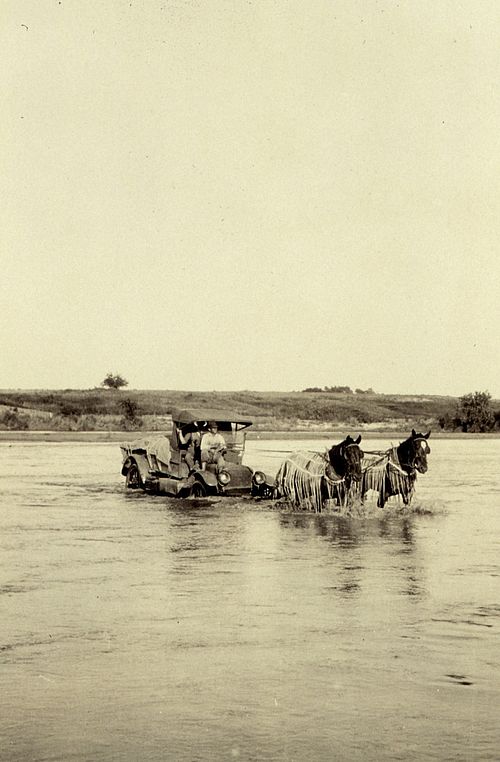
213 447
189 445
193 454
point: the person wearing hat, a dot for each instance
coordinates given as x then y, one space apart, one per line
213 447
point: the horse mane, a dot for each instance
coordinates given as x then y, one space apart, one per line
405 453
337 460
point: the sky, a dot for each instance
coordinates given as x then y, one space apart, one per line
250 194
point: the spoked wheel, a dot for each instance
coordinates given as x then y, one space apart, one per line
197 490
133 478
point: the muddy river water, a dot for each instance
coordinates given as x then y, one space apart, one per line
141 628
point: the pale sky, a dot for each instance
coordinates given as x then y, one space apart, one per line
250 194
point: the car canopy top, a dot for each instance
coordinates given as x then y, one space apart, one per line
204 415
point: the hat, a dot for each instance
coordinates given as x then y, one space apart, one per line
211 424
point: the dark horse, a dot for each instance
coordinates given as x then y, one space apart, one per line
345 461
395 471
310 478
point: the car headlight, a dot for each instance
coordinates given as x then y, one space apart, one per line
224 478
259 478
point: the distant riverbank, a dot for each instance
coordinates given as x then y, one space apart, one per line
104 415
124 436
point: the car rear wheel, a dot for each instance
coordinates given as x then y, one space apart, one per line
133 478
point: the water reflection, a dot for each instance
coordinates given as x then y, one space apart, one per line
369 539
346 532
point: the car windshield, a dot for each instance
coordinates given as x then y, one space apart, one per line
233 433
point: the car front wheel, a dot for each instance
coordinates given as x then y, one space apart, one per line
197 490
267 492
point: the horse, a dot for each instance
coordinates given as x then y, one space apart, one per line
310 478
394 472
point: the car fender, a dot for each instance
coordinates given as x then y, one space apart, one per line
208 478
141 462
126 465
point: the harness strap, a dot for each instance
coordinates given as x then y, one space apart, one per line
388 458
398 468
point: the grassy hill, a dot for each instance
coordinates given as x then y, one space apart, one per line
111 410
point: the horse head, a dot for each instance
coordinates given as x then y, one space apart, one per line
345 458
413 451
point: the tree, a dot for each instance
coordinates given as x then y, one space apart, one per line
475 412
114 381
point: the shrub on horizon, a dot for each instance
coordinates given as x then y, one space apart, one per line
114 381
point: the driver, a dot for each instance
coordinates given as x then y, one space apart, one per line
213 447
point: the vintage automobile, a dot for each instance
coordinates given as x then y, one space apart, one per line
168 466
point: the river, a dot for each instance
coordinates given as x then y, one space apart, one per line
134 627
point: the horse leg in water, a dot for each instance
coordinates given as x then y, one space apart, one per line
324 490
412 478
381 499
365 486
408 493
385 492
343 493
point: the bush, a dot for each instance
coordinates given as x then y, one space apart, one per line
474 412
14 421
131 418
68 410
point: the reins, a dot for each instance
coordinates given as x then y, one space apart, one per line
386 457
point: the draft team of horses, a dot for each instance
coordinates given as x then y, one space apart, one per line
345 473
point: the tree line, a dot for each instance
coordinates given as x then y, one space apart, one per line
338 390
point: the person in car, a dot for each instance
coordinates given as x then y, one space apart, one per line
189 445
213 447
